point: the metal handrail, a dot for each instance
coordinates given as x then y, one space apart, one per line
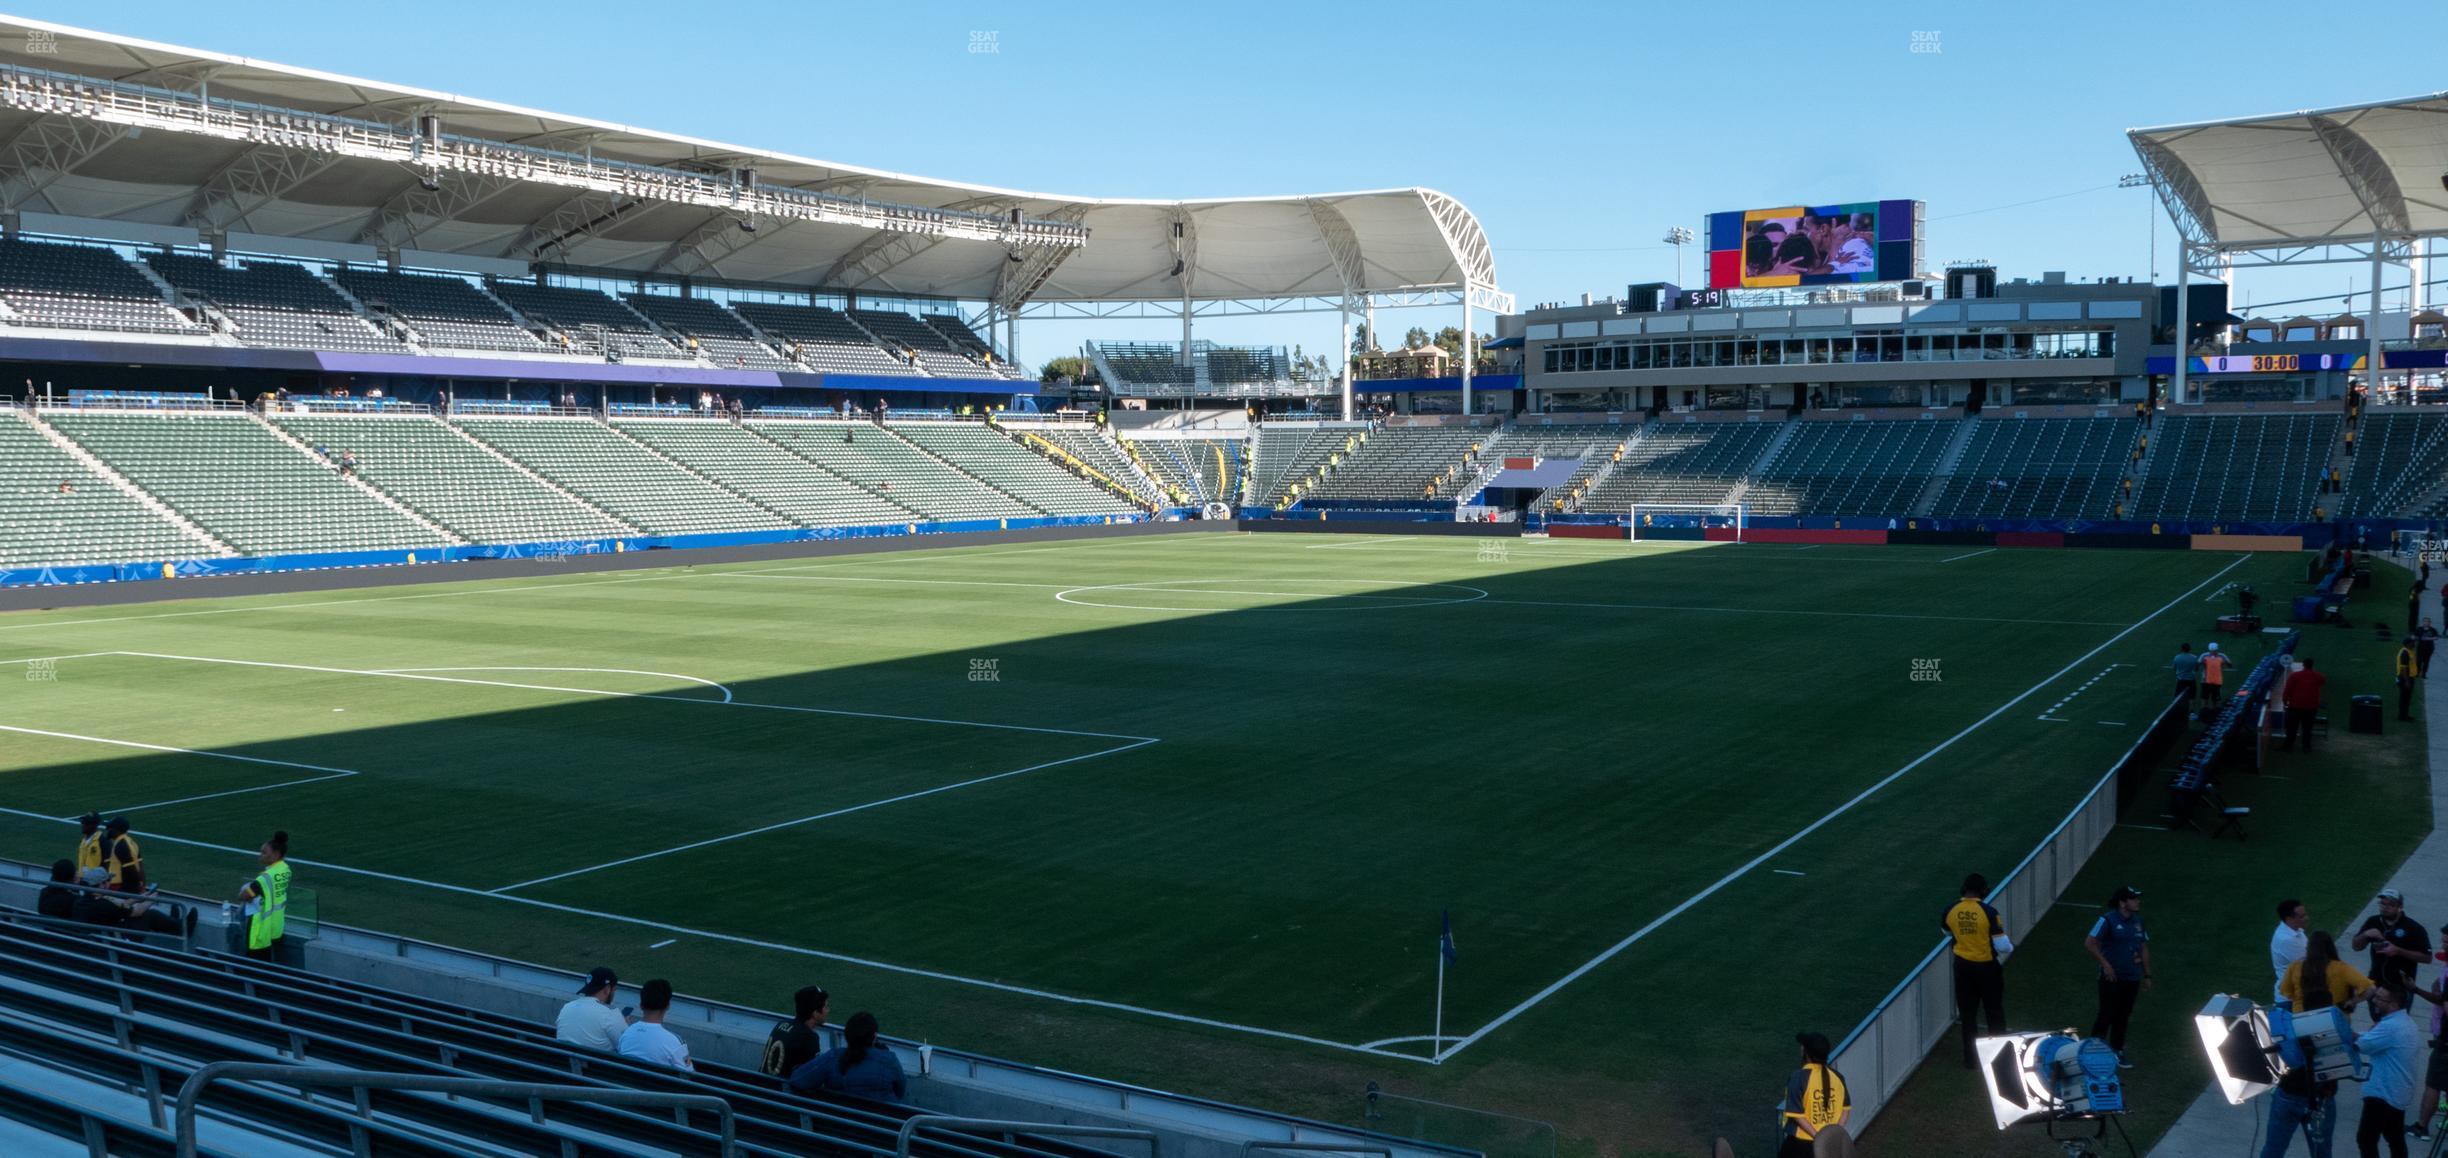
949 1123
1252 1147
192 1090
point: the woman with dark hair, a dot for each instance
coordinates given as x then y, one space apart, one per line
858 1068
2317 982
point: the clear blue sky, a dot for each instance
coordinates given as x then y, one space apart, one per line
1577 133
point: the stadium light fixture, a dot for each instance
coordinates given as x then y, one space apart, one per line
1678 237
2049 1077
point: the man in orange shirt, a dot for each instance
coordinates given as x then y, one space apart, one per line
2213 675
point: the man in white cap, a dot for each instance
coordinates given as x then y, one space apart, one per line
2213 676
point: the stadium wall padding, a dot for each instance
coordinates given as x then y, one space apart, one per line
2248 542
1758 534
1585 531
1383 527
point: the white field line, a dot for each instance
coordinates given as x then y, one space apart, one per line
1612 951
54 658
777 947
844 811
726 692
402 675
1793 611
1968 555
327 773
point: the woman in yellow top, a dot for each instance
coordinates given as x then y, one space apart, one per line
2346 984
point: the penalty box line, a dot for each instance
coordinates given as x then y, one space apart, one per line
794 950
1688 903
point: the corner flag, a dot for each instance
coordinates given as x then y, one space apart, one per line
1445 941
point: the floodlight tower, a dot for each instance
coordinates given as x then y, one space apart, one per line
1678 237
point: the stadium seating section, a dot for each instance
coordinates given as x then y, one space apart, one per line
444 311
2236 466
1849 468
1104 456
2040 468
721 337
1201 470
875 458
617 474
588 321
967 342
1013 469
1682 462
901 332
824 339
2400 466
91 522
230 474
274 303
763 470
452 479
1147 365
1593 443
1288 455
83 287
96 1034
1400 462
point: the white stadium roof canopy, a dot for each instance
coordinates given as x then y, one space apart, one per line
98 126
2303 179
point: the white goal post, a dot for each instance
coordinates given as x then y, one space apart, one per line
1703 515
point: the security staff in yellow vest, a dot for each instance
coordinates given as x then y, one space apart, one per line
267 897
89 842
1980 975
1815 1099
121 855
2409 668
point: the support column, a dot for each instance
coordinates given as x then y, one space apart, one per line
1466 349
2371 330
2184 291
1344 361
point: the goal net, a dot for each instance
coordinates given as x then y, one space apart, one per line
1647 519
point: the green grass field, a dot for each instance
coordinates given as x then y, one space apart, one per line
1179 810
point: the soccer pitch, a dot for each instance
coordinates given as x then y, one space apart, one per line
1180 809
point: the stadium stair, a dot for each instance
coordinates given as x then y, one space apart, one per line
763 471
106 519
131 1021
242 482
890 466
1093 456
940 440
1944 473
2402 466
455 480
357 479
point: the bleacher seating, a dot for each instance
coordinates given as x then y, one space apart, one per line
824 339
597 464
590 321
82 287
94 523
96 1034
755 466
1202 470
274 303
721 337
1681 462
1102 455
1146 365
445 311
1842 467
1014 469
450 479
243 484
2237 466
2053 468
967 342
2400 457
881 461
1243 366
901 332
1399 463
1285 456
1593 443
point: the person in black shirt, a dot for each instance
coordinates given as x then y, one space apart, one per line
796 1042
2398 944
56 900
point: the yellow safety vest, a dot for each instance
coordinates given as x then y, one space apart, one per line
269 911
111 860
1968 922
2406 667
1823 1101
89 851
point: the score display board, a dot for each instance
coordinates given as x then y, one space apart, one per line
1798 245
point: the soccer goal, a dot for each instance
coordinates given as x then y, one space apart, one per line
1648 518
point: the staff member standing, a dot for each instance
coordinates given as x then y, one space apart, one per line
2213 675
1815 1099
2409 667
267 898
2187 667
122 856
1980 973
89 842
2122 947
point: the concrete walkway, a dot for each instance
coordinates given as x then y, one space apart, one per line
2214 1129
